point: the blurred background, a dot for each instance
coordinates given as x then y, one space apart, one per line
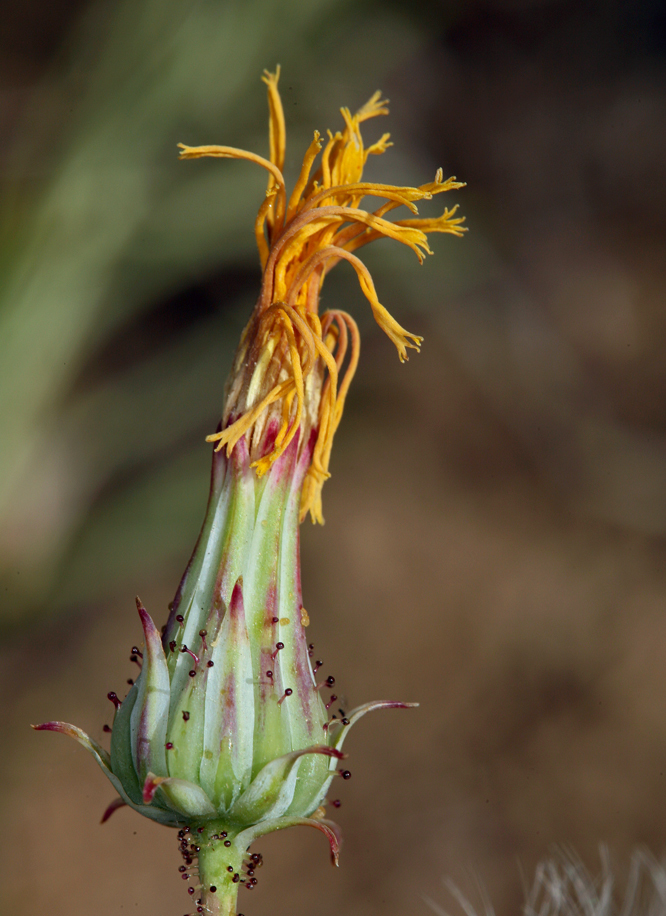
496 520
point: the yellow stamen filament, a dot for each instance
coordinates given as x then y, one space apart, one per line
299 242
230 152
312 152
356 192
259 223
319 473
277 140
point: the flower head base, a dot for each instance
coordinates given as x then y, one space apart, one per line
293 364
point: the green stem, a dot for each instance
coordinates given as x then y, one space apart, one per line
218 891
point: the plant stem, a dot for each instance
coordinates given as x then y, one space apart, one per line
218 891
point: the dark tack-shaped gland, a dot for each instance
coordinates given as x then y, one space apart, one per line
330 681
172 645
288 692
190 891
185 877
227 843
113 696
236 878
276 619
180 618
186 716
213 888
345 774
130 681
230 868
106 728
210 664
169 745
224 833
336 802
181 868
192 673
345 721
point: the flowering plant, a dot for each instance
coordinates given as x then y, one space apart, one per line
226 734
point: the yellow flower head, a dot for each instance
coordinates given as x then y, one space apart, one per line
294 365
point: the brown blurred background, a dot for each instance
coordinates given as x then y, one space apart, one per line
496 520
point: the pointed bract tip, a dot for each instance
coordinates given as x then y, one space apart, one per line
327 751
150 787
149 628
333 834
62 727
236 602
115 804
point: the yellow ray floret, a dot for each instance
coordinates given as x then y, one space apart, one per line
300 239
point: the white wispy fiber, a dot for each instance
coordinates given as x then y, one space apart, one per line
562 886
